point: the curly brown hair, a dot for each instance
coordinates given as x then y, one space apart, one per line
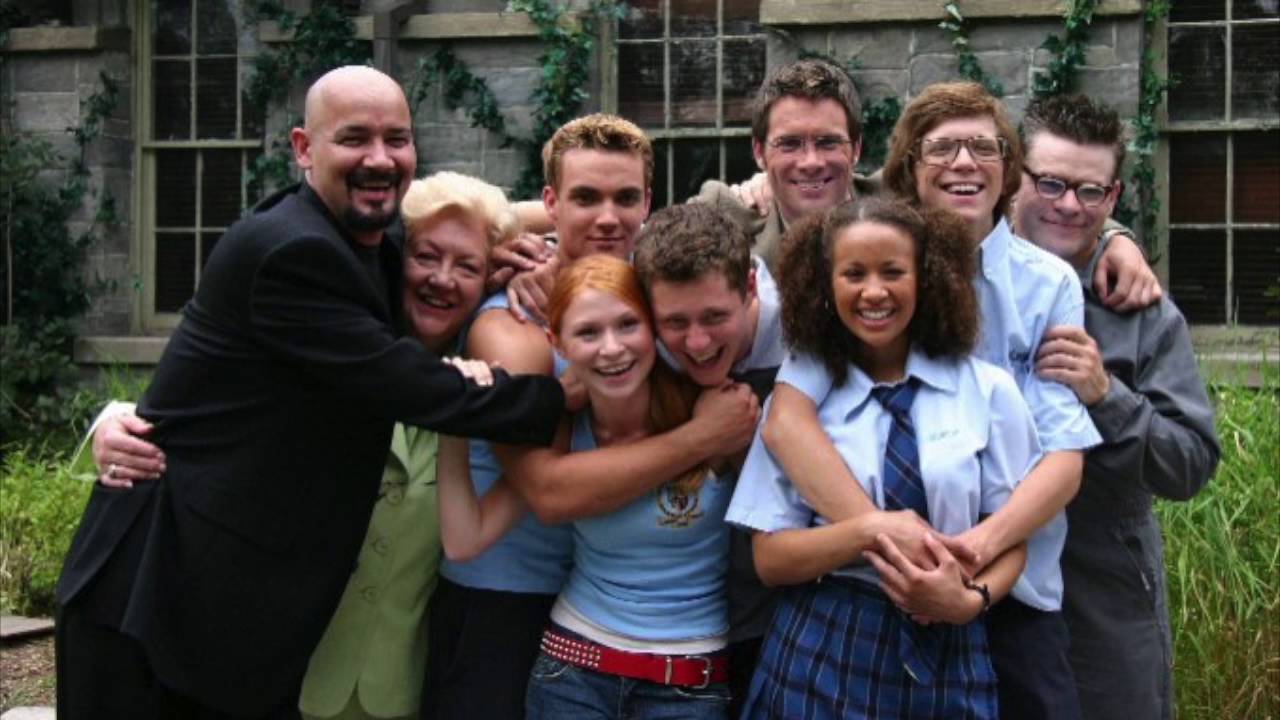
939 103
946 317
682 243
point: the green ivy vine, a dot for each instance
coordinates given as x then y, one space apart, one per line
460 89
1062 76
1146 135
47 253
955 26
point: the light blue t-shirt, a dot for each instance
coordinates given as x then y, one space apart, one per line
1022 292
531 557
653 569
975 435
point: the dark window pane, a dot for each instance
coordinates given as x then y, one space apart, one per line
175 188
742 17
171 108
1197 177
251 116
693 18
1255 269
1243 9
171 34
1257 180
744 69
693 83
216 98
1196 63
640 84
1255 64
1193 10
215 27
220 188
696 161
1198 274
738 161
207 241
175 270
643 20
661 153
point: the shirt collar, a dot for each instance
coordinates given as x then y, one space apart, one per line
995 247
938 373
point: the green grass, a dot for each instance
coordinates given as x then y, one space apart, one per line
1222 554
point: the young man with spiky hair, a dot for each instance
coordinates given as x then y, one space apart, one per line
1136 373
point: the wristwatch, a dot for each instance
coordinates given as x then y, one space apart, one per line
983 591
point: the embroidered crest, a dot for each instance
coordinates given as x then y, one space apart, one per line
680 502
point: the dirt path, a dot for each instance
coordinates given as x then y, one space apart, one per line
26 673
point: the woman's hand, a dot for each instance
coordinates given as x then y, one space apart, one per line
122 456
475 370
937 594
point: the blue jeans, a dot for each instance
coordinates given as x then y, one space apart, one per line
560 691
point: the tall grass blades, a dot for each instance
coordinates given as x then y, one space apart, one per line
40 505
1223 558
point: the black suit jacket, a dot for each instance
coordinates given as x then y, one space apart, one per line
274 403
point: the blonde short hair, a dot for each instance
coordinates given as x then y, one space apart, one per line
597 131
476 199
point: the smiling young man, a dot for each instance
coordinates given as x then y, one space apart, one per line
1136 373
717 312
488 614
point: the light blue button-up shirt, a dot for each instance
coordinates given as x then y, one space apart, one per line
1022 291
975 434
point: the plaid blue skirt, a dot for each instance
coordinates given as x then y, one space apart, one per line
840 649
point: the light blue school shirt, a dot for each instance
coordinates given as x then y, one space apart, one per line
653 569
767 347
974 431
1022 292
532 557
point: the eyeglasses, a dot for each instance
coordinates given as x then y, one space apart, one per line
1052 188
943 151
792 144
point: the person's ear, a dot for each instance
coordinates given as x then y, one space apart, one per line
757 151
301 141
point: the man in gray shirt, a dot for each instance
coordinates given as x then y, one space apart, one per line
1137 375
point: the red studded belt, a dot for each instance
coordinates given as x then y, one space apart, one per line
695 671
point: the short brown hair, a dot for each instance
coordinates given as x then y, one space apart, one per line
682 243
946 317
937 104
597 131
1078 119
812 80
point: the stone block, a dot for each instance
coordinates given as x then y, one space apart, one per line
466 168
1017 106
1010 68
815 39
876 47
929 39
29 713
519 119
43 73
876 84
1116 86
453 142
1127 37
110 151
503 167
46 111
780 48
1011 35
513 86
499 55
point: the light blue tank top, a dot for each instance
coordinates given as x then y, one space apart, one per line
655 568
532 557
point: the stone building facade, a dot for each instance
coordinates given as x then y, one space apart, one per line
684 69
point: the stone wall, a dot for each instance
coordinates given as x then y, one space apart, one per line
44 88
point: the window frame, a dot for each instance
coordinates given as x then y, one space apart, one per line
1228 127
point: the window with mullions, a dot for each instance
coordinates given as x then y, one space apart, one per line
1223 134
687 71
199 137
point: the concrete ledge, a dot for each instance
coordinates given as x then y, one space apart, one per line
833 12
440 26
61 39
119 350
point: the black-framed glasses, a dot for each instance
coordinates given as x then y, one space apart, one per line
1051 188
822 144
943 151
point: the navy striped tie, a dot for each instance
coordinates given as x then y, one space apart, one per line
903 487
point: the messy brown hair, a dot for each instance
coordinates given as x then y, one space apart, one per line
682 243
946 317
597 131
937 104
812 80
